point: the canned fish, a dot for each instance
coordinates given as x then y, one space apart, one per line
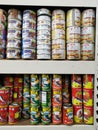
44 56
4 96
26 105
58 14
43 47
3 34
57 115
76 81
43 36
28 43
58 54
87 51
14 113
29 14
15 94
88 17
43 32
29 23
73 34
58 26
58 46
26 98
68 114
26 81
46 82
14 33
78 114
3 15
58 42
58 34
29 33
43 19
46 115
14 23
35 115
13 43
88 81
3 114
88 115
73 51
87 34
26 113
8 81
41 52
2 53
73 17
43 11
35 84
14 14
44 41
2 43
35 98
28 53
43 27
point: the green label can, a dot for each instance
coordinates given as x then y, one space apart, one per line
46 82
35 98
26 81
35 84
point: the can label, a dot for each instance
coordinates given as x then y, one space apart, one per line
58 34
14 33
30 33
8 81
4 96
57 82
14 43
29 14
18 81
3 114
28 23
76 81
43 56
35 98
26 113
13 53
14 23
58 14
26 81
66 96
44 19
35 82
29 43
14 14
28 53
46 85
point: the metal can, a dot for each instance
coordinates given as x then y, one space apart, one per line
87 51
35 82
26 105
58 14
35 115
66 81
78 114
28 43
73 34
28 53
43 20
58 54
29 23
73 51
29 33
43 27
15 94
35 98
43 32
57 115
3 25
73 17
8 81
3 114
43 11
43 41
88 115
43 46
58 44
43 36
13 43
14 23
88 34
14 34
67 114
66 95
43 56
58 34
3 34
18 81
46 115
43 51
3 15
29 14
46 82
76 81
58 24
88 17
10 94
4 96
26 81
26 113
26 98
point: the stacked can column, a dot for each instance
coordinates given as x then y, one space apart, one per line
43 34
35 99
57 99
26 97
88 34
3 23
76 85
58 34
73 34
29 35
13 48
88 98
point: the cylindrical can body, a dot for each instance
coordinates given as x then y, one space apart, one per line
3 114
4 96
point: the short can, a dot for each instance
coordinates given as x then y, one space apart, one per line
29 23
58 25
44 41
18 81
14 23
3 114
66 81
29 33
28 43
43 11
28 53
43 32
43 46
14 43
43 56
29 14
3 15
4 96
58 46
43 19
35 82
76 81
14 34
26 105
44 52
58 14
35 98
46 82
10 93
43 36
43 27
26 81
26 113
58 54
58 34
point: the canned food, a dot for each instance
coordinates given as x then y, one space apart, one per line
73 51
43 47
29 33
29 14
14 34
87 51
46 115
26 98
35 98
68 114
10 94
43 27
78 114
87 34
3 34
4 96
73 34
14 113
43 11
26 91
58 14
73 17
2 43
88 115
18 81
58 26
29 23
35 115
57 98
26 113
28 43
35 85
43 19
88 81
46 82
3 114
58 46
3 15
66 96
2 53
43 41
26 81
88 17
8 81
14 23
13 43
66 82
76 81
57 115
26 105
15 94
43 51
43 32
43 56
58 54
14 14
28 53
88 95
58 42
58 34
43 36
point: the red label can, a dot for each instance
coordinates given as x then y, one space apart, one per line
78 114
15 95
76 81
4 96
3 114
8 81
10 94
14 113
18 81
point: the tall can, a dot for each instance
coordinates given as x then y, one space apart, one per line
26 81
46 82
35 85
4 96
3 114
35 98
76 81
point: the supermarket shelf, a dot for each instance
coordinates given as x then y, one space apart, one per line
48 67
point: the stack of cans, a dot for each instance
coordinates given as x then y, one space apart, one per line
43 34
73 34
58 34
3 23
57 99
88 34
26 97
88 98
13 48
46 99
29 35
35 99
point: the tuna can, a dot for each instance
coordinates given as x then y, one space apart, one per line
14 34
2 43
68 114
4 96
88 115
43 47
73 34
57 115
14 113
76 81
88 81
3 114
43 56
26 81
43 21
3 34
87 51
43 11
58 46
58 54
59 26
41 52
28 53
73 51
88 34
58 34
26 98
78 114
73 17
29 33
35 115
35 98
29 14
44 41
44 27
14 14
46 115
29 23
18 81
88 17
58 14
43 32
46 82
14 23
43 36
57 82
28 43
26 113
13 43
8 81
35 85
2 53
3 15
